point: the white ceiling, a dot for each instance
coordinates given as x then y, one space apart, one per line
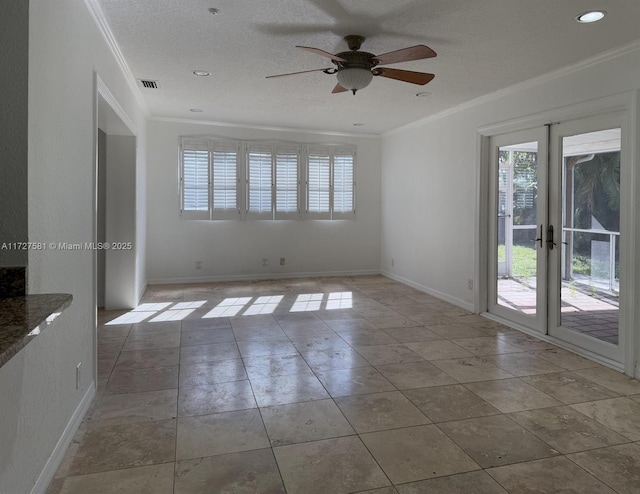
482 46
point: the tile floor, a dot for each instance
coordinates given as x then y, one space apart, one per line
343 385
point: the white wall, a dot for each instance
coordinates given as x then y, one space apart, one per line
428 217
141 211
37 387
232 249
429 173
120 288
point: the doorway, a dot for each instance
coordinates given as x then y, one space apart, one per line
115 203
554 245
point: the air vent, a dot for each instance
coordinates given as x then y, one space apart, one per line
148 84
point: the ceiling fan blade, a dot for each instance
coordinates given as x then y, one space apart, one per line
417 52
420 78
338 89
294 73
322 53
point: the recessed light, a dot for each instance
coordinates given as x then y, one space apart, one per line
591 16
201 73
214 11
358 124
195 110
423 94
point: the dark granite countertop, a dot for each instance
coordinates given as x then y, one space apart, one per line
23 318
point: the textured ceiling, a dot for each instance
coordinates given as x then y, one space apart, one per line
482 46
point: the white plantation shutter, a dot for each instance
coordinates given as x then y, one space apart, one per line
280 180
195 180
343 184
318 183
225 179
260 180
286 159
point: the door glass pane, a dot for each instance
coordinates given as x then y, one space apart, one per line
591 234
517 227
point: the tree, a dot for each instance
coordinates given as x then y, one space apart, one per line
597 191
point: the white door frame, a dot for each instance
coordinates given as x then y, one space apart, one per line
629 103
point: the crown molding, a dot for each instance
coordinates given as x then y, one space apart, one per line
522 86
95 9
262 127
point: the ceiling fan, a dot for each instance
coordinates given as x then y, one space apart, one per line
355 69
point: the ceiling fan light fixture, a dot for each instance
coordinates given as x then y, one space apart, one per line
591 16
354 78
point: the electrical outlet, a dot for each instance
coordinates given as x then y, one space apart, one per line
78 375
265 261
470 284
198 264
282 261
393 262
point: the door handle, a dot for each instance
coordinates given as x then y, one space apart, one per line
550 243
540 238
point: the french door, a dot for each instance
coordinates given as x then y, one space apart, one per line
554 230
518 263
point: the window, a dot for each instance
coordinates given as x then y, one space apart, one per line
287 182
202 159
318 183
330 182
272 181
343 184
259 180
195 178
280 180
225 180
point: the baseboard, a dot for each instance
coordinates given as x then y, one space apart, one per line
262 276
430 291
56 457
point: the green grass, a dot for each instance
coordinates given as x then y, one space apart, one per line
581 265
523 260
